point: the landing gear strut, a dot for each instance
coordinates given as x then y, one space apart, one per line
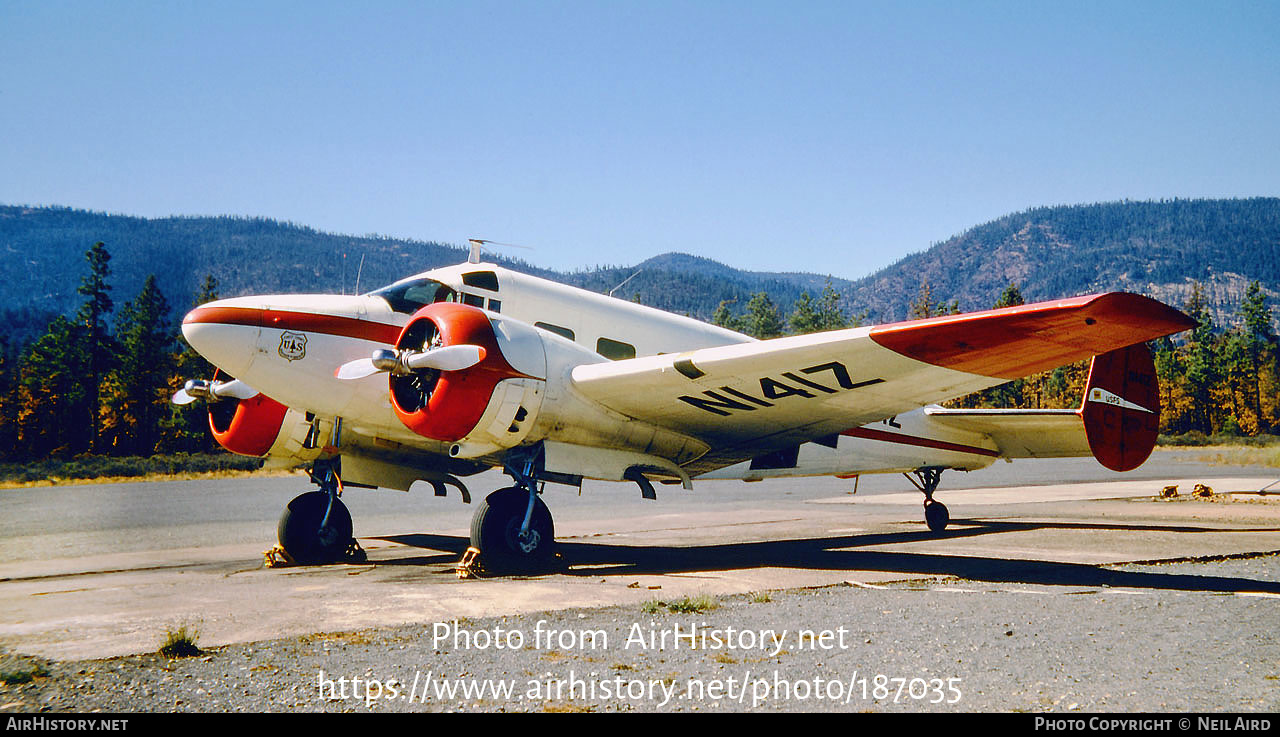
512 527
935 513
316 526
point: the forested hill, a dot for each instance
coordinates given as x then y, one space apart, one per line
1154 248
45 249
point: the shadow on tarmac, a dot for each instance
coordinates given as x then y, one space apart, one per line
838 553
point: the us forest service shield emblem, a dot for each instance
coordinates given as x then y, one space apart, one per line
293 346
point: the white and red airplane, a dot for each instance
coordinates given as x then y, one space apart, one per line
461 369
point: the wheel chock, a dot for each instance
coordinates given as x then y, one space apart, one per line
469 566
277 557
354 553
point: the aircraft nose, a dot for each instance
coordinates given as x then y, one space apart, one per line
225 332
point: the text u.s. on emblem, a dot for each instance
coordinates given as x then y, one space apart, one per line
293 346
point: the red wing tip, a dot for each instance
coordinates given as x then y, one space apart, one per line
1012 342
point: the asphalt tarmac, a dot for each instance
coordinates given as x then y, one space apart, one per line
101 571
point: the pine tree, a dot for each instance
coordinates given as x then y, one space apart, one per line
141 382
804 317
925 305
724 317
1010 297
1202 372
762 319
52 392
830 316
187 426
1259 350
97 344
8 402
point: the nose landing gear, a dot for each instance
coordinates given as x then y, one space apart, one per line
315 527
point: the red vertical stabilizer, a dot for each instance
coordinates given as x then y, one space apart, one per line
1121 409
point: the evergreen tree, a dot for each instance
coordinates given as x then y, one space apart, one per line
724 317
804 316
762 319
1010 297
97 344
830 316
8 402
925 305
52 393
187 427
140 386
1169 370
1259 351
1202 370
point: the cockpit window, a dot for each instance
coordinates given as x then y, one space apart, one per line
410 296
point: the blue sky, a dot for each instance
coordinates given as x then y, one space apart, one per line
833 137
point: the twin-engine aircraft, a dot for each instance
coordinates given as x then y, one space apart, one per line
465 368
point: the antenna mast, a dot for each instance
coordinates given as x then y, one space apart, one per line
478 244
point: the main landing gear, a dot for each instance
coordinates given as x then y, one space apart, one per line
316 526
935 513
512 528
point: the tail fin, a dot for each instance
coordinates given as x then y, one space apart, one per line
1121 408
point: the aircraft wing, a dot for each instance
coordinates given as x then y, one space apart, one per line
751 398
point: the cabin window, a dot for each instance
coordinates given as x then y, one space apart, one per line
481 280
615 350
473 300
495 306
562 332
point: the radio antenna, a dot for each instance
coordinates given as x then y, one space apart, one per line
624 281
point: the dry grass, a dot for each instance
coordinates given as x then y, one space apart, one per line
188 476
1232 455
180 641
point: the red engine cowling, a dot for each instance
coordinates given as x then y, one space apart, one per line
447 405
248 427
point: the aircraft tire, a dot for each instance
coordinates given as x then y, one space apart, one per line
300 534
495 528
936 516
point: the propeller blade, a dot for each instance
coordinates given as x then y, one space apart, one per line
357 369
446 358
236 389
212 391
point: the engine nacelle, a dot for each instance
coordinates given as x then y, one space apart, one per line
264 428
519 393
490 406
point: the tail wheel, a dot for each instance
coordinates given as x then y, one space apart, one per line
495 530
304 539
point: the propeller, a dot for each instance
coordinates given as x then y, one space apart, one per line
212 391
444 358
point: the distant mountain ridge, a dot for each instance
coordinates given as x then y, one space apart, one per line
1155 248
